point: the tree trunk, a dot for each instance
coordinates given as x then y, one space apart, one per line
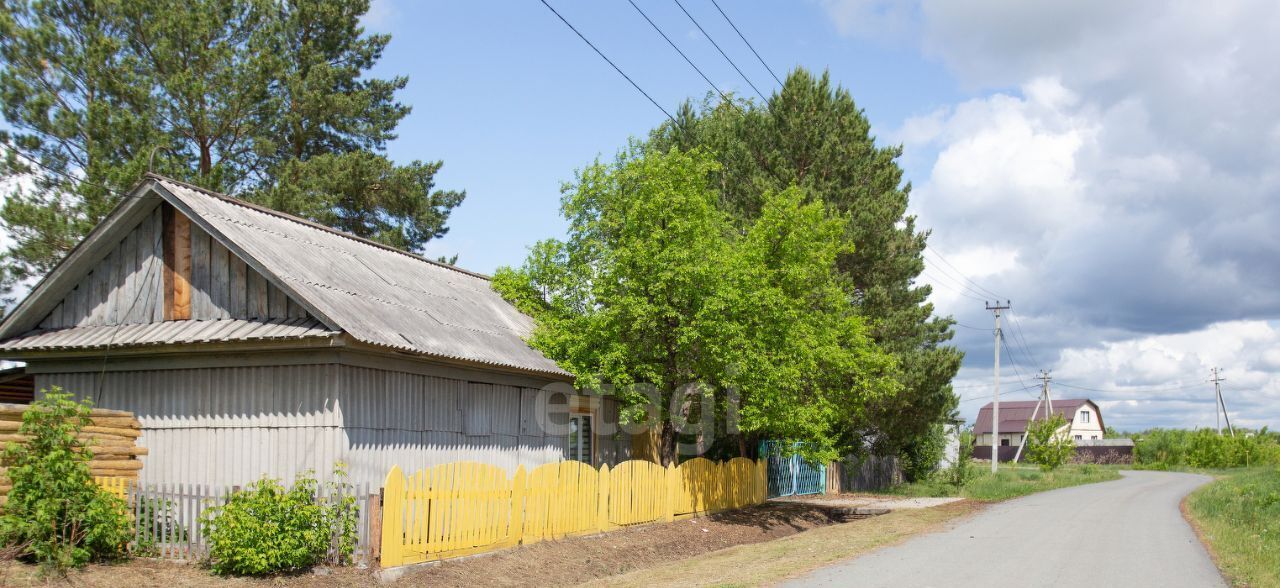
206 159
667 444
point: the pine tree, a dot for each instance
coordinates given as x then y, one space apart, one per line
324 136
263 98
812 134
78 123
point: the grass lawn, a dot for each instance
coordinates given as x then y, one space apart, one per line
1012 481
1238 516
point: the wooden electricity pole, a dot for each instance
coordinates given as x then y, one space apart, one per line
995 396
1044 378
1218 403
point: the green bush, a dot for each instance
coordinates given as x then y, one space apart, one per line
921 457
1205 448
269 529
1045 446
55 514
959 472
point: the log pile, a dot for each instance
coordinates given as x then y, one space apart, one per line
112 437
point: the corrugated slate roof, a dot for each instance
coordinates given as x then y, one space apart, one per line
377 294
167 333
1015 414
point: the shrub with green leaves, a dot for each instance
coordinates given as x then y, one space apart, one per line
55 512
960 471
1205 448
268 528
1045 446
922 456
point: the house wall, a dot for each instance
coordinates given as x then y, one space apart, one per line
231 425
127 286
985 438
1089 430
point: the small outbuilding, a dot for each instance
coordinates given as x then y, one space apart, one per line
250 342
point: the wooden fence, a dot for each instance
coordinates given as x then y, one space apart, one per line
464 508
167 516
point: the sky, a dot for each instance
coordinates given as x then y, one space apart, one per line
1111 168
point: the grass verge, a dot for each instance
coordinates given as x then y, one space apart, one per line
766 563
1238 516
1011 482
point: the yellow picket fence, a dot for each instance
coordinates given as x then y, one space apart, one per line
114 485
465 508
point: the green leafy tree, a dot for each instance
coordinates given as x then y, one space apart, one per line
55 513
655 287
811 134
272 100
1047 446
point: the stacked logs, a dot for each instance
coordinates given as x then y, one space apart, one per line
111 436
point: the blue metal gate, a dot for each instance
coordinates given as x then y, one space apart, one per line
791 475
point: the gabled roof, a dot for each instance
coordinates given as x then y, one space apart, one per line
376 294
1015 414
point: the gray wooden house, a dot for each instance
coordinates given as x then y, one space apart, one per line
251 342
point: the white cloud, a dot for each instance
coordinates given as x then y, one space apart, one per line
381 16
1127 158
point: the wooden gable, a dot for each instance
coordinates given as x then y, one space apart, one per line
168 268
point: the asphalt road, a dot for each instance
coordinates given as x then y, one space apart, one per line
1127 532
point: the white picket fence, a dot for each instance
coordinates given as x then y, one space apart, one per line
168 518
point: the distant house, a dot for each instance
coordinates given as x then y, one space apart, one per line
251 342
1084 420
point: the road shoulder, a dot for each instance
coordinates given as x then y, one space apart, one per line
764 563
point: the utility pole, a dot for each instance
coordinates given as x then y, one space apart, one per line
1044 378
1218 403
995 396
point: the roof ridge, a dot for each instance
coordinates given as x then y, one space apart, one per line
312 224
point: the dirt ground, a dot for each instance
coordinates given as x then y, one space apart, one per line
581 559
564 562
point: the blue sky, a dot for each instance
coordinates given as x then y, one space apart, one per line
1113 168
514 102
1108 166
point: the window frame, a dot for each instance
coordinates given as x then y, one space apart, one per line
574 450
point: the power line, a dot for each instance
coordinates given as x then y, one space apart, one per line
682 54
81 181
949 285
1013 362
1175 389
940 257
717 46
609 61
1022 339
744 40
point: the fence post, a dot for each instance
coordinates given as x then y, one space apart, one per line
519 489
602 505
375 526
762 481
669 491
393 519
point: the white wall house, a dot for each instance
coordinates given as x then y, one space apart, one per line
1084 420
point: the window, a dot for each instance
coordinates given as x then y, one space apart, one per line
1084 416
1004 442
1079 437
1093 436
579 447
